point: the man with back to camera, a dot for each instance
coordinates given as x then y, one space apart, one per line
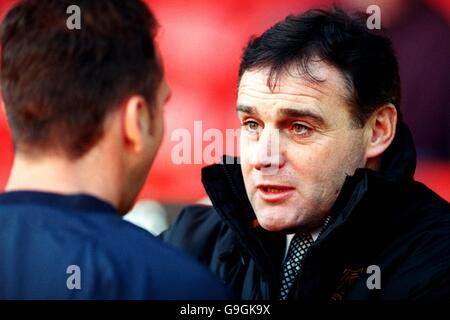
85 108
323 205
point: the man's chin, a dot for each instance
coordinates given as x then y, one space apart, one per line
274 219
283 228
280 228
274 225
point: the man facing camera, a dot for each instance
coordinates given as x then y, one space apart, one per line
85 108
323 205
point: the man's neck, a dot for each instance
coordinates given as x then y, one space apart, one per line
60 175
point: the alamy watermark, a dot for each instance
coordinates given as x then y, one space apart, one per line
74 280
190 147
74 20
374 20
374 280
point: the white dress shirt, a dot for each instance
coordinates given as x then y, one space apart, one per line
289 237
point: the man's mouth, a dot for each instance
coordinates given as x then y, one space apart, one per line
274 193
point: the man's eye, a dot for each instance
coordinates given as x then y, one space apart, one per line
300 129
251 126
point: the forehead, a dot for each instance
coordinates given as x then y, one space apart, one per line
294 89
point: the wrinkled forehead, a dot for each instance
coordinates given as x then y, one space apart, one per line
318 80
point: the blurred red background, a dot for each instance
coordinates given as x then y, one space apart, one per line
201 42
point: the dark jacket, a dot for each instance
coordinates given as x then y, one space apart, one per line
79 247
382 218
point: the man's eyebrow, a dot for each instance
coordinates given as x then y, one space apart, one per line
301 113
246 109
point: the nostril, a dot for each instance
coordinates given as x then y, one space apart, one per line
263 164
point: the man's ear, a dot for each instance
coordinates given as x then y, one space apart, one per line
381 128
136 123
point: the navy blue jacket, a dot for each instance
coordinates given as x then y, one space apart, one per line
78 247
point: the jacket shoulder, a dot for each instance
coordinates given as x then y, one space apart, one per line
197 230
173 275
422 256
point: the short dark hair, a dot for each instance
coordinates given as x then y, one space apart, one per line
364 57
59 84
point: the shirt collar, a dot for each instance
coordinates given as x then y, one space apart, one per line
314 235
82 202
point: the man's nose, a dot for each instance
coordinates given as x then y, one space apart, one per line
268 157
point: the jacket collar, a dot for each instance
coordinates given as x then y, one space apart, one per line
225 187
399 160
397 169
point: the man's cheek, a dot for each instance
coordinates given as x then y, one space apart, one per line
246 167
247 150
